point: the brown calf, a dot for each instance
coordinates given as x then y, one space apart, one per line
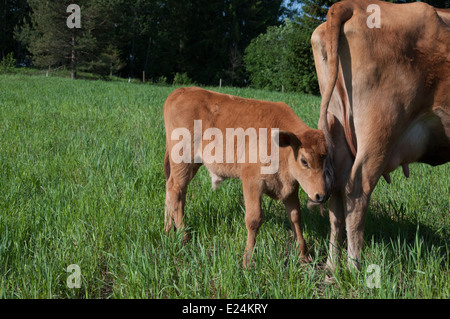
201 129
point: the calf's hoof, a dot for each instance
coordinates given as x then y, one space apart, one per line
186 237
305 259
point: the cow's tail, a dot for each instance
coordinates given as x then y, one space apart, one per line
336 16
166 165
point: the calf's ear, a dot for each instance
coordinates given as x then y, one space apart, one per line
285 139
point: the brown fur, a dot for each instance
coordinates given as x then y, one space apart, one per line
385 101
297 143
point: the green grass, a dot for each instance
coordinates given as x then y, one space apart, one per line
81 182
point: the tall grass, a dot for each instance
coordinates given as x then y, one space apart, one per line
81 182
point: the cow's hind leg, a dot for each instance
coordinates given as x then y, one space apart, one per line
343 162
176 188
365 174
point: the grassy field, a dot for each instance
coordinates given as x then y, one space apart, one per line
81 182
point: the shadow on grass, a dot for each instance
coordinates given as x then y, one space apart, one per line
384 225
385 222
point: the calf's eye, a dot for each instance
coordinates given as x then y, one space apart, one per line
304 163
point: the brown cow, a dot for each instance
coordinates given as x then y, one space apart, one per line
384 76
201 129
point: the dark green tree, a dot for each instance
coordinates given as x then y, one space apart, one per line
281 59
205 38
53 44
245 20
12 14
266 58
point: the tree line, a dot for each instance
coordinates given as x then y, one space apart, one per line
204 39
263 43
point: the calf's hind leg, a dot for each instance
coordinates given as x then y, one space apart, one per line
176 189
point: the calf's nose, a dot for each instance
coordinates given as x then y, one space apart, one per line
320 198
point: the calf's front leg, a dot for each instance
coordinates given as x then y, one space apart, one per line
253 216
292 205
